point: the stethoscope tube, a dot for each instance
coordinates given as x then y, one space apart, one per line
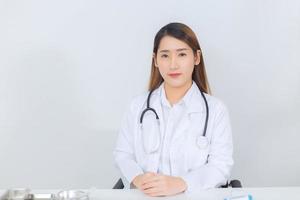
207 114
148 108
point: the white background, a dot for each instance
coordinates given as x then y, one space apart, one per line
68 70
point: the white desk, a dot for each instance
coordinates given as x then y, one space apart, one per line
268 193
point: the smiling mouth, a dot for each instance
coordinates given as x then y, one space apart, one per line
174 75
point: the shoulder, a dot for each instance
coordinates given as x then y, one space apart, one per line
216 105
140 100
215 101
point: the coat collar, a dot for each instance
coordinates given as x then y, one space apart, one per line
193 99
196 103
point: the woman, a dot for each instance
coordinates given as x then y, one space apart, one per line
176 137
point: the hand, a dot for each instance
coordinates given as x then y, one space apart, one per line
161 185
140 179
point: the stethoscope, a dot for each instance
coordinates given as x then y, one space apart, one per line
202 141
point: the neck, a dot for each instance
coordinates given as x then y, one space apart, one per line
174 94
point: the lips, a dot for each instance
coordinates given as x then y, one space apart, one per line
174 75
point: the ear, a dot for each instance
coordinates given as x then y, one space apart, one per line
198 57
154 59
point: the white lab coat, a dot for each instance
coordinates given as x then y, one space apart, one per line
200 168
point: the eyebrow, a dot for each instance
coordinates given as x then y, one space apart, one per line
181 49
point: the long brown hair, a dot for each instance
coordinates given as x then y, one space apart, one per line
184 33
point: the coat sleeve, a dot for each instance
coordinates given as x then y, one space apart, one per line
124 149
217 170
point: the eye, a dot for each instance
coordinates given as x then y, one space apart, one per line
164 56
182 54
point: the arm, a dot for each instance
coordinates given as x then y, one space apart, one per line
124 150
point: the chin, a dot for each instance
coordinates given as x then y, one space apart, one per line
176 83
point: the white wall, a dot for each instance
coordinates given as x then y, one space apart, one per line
68 70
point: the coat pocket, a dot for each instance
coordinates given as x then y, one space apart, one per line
197 151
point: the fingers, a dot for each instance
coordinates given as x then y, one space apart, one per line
161 185
139 180
152 190
152 178
151 184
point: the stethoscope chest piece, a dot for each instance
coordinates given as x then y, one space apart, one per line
202 142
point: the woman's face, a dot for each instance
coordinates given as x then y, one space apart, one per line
175 61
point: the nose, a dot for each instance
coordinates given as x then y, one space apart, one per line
173 64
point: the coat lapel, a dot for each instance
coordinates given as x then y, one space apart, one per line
184 128
194 105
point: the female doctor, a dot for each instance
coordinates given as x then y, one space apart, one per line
176 137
